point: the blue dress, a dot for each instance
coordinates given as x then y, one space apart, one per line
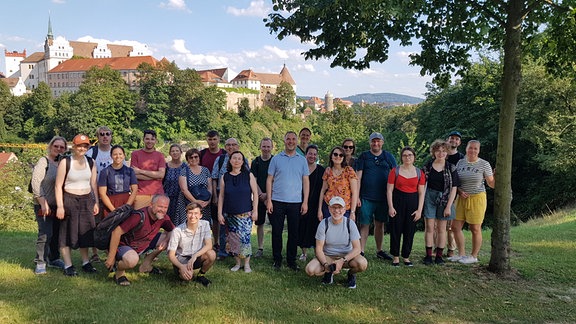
171 186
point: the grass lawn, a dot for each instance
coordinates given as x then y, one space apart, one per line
542 288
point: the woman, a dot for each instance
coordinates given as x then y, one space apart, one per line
117 183
304 136
471 206
42 183
405 194
171 180
442 182
309 221
193 175
349 150
77 204
238 208
338 180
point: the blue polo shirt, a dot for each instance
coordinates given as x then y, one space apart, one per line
375 170
287 172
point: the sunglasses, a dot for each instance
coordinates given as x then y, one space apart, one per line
105 134
346 147
337 154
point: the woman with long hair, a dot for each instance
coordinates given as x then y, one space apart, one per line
339 180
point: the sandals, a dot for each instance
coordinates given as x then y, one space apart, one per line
122 281
155 271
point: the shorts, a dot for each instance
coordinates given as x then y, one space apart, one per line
472 209
77 227
184 259
123 249
373 210
261 213
431 208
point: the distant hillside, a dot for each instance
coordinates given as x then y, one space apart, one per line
391 98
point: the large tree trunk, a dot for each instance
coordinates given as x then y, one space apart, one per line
500 255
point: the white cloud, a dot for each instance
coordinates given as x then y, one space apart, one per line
283 54
2 45
404 56
175 5
59 1
257 8
184 57
304 67
179 45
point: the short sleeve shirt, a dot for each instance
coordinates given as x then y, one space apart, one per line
375 171
287 172
337 241
140 239
149 161
339 185
117 181
187 243
472 175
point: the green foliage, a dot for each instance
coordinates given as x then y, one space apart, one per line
39 113
15 201
284 100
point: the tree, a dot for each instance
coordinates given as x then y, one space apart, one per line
356 33
39 113
284 100
155 96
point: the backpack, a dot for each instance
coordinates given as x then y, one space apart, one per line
397 170
94 152
326 222
30 183
104 229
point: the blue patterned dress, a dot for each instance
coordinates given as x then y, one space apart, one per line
171 187
192 179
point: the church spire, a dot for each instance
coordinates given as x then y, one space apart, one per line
50 35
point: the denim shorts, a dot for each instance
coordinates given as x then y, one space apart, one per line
431 208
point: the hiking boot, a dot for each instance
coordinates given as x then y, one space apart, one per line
351 280
328 278
40 269
89 268
58 263
203 280
383 255
438 260
428 260
70 272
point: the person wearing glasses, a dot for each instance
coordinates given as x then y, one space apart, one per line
340 180
42 183
405 194
193 175
349 149
373 167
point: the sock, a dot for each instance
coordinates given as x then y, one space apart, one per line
429 251
439 252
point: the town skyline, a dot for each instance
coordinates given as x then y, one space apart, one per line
237 40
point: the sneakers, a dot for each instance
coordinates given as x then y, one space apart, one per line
70 272
95 258
456 258
302 257
328 278
40 269
58 263
203 280
468 260
438 260
428 260
383 255
89 268
351 280
259 253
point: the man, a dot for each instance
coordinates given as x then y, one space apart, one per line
149 166
454 139
207 158
100 153
218 170
373 168
125 251
190 247
287 189
259 169
337 246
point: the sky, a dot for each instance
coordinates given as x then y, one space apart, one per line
201 34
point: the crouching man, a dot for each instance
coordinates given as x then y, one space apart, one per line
124 252
337 246
190 247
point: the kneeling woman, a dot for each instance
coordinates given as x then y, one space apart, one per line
238 202
77 204
405 194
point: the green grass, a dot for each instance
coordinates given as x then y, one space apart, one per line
541 290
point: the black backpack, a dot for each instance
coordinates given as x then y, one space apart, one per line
104 229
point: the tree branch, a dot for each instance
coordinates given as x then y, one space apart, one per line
489 13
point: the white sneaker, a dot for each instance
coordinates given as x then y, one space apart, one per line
40 269
302 257
468 260
456 258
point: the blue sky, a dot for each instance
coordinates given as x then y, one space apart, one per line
201 34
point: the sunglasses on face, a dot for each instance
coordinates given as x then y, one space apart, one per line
105 134
337 154
346 147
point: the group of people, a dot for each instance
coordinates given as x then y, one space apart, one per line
207 203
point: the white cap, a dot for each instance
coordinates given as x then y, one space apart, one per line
337 201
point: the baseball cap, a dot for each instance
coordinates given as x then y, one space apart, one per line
455 133
337 201
81 139
376 135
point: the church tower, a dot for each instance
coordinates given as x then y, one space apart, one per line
329 101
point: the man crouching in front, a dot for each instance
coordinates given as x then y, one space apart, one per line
337 246
124 252
190 247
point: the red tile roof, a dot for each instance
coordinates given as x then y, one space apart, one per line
34 58
115 63
11 82
266 78
86 49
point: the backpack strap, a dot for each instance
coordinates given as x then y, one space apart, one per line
347 226
397 173
94 152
